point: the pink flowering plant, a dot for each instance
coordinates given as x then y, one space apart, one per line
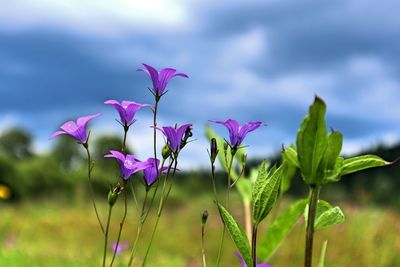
315 154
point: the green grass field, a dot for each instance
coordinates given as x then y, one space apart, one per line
50 233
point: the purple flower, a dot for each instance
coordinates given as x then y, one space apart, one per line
161 78
245 265
126 109
76 130
175 135
119 248
128 163
150 173
237 133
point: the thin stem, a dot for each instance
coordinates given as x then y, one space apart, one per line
254 245
155 132
106 235
163 198
312 209
90 168
203 250
121 225
126 128
247 218
134 196
221 242
138 231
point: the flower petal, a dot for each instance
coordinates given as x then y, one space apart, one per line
83 121
57 133
153 73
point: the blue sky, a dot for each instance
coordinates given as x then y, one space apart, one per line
248 60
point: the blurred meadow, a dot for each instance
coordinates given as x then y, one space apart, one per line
48 218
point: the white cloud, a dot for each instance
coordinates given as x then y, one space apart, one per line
94 16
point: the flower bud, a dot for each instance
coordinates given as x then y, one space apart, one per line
113 194
213 150
204 217
188 134
166 151
243 160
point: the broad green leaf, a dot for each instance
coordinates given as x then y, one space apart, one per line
326 215
312 141
322 255
244 187
280 228
237 234
361 163
287 175
335 142
290 155
330 217
265 191
333 175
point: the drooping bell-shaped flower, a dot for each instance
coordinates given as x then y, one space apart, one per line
150 174
176 135
237 132
128 163
76 130
126 110
160 78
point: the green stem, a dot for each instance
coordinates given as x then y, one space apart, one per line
121 225
155 132
203 251
221 242
139 229
106 235
126 128
90 167
160 209
254 245
312 209
247 218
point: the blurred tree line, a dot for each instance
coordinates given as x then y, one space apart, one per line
61 172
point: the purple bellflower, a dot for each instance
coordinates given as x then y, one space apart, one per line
160 78
237 132
76 130
176 136
128 163
126 110
245 265
119 248
150 173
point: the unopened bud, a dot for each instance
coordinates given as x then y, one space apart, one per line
166 151
113 194
188 134
204 217
213 150
244 160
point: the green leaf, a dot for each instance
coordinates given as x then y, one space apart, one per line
244 187
361 163
237 234
322 255
280 228
312 141
333 175
334 146
290 155
326 215
287 175
265 191
330 217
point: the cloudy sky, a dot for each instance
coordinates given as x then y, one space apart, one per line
248 60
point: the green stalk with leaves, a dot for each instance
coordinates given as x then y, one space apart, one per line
317 155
